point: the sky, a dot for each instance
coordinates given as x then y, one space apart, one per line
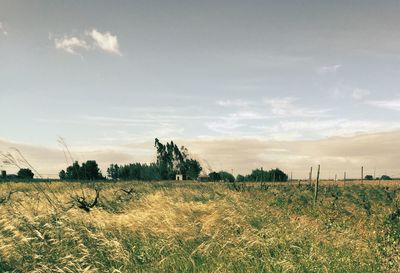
242 84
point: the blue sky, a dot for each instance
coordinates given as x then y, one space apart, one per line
109 74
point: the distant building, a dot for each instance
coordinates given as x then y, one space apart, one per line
179 177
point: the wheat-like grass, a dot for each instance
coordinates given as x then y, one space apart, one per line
192 227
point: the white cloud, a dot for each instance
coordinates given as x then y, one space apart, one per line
285 107
359 93
332 127
387 104
3 29
91 40
71 44
342 91
105 41
328 69
235 103
230 123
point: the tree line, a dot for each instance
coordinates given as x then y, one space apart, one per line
170 161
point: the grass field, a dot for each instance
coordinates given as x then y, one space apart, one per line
199 227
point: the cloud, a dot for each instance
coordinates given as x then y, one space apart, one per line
328 69
343 91
71 44
233 103
90 40
285 107
105 41
386 104
3 29
359 93
332 127
230 123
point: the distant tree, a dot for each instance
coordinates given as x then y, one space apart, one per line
3 174
113 171
226 177
260 175
73 172
88 171
25 174
214 176
62 175
368 177
91 170
191 168
172 160
386 177
240 178
278 176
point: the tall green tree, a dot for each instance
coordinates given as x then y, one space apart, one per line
88 171
172 160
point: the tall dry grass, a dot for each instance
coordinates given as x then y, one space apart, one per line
192 227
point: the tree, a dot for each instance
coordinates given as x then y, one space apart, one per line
62 175
113 171
88 171
240 178
278 176
172 160
226 177
214 176
386 177
3 174
73 171
260 175
91 170
191 168
369 177
25 174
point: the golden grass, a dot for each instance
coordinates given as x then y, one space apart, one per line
192 227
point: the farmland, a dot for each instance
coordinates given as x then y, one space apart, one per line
199 227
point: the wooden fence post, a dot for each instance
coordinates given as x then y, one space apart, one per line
362 175
310 176
316 187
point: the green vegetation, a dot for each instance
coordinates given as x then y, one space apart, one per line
274 175
171 161
386 177
25 173
198 227
88 171
221 176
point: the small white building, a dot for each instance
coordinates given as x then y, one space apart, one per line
179 177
